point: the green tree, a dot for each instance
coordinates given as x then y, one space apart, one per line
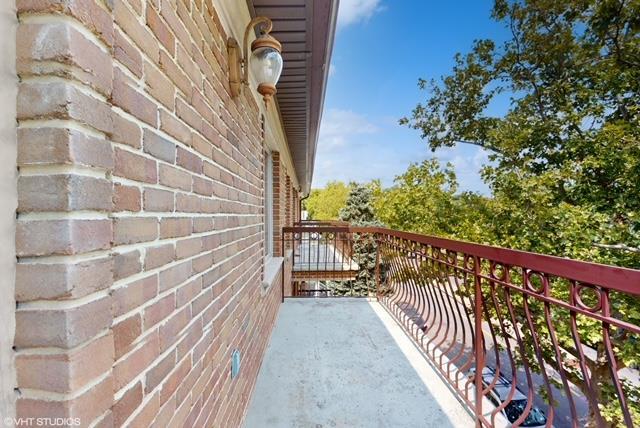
359 211
424 200
565 171
325 203
422 190
572 70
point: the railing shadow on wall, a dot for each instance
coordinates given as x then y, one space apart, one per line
524 339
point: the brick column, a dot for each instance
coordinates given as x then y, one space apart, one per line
64 345
9 198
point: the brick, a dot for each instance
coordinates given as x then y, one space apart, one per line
201 347
203 262
175 128
136 362
159 86
201 302
64 328
175 178
47 237
63 192
58 100
65 372
189 160
202 106
172 383
202 186
158 256
201 23
126 131
180 416
135 167
188 291
165 414
188 114
126 264
138 7
211 95
127 54
158 200
131 230
140 34
175 275
159 147
211 170
202 146
124 407
95 18
174 227
88 406
148 413
188 247
159 372
59 42
193 333
134 294
185 17
35 281
132 101
175 74
202 224
104 421
159 310
160 29
174 22
48 146
126 198
125 333
186 63
188 203
170 330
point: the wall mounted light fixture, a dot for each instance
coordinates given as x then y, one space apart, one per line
265 61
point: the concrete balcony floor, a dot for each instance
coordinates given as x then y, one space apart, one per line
344 362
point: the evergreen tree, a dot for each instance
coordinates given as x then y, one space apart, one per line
359 211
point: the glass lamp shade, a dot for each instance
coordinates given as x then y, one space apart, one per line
266 65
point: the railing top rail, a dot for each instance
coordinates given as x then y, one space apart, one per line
321 223
316 229
612 277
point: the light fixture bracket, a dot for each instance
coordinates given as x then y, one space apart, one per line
239 60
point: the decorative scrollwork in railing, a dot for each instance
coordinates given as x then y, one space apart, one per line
558 341
525 339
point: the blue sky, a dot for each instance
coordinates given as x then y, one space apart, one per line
381 49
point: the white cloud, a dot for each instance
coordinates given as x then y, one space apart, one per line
332 69
353 11
339 125
363 157
354 147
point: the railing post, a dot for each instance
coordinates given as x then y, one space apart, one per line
478 348
284 265
377 273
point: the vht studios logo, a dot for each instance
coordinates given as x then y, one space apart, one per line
41 422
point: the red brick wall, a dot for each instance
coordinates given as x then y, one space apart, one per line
140 227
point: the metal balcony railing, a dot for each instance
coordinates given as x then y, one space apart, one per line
524 339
